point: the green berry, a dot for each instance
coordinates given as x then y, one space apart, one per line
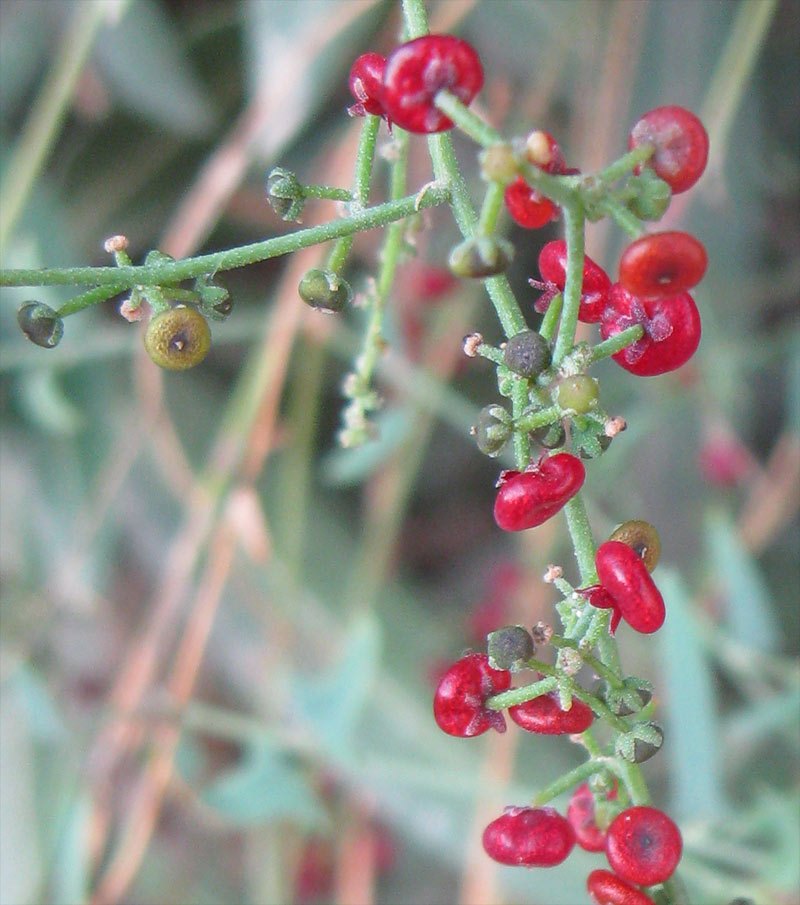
285 194
324 290
480 256
177 339
527 354
653 195
641 743
509 647
41 324
550 436
493 430
577 394
499 164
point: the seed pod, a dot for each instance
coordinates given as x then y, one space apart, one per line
324 290
41 324
177 339
285 194
493 430
509 647
641 743
480 256
643 538
527 354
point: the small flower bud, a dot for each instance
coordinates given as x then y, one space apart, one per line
115 243
285 194
471 343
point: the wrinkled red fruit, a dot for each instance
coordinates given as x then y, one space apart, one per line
528 207
580 813
415 72
529 837
671 330
606 888
680 142
643 845
545 716
594 288
662 264
529 498
366 84
625 577
458 705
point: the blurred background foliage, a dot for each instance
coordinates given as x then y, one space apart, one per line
219 630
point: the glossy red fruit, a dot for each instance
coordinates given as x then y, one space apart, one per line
643 845
545 716
623 574
598 596
366 84
529 837
662 264
528 208
594 289
529 498
459 703
680 142
580 813
606 888
416 71
671 330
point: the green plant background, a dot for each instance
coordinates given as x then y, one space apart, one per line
333 581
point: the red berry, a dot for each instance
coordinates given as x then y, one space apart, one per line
606 888
662 264
529 837
543 151
366 84
671 330
545 716
529 498
415 72
595 286
580 813
680 142
623 574
458 705
643 846
529 208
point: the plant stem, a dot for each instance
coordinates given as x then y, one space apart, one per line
467 121
626 164
87 299
547 328
329 192
620 214
526 692
582 540
566 782
490 210
616 343
573 228
173 272
529 423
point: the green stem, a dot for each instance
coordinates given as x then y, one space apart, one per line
491 352
329 192
87 299
547 328
616 343
416 18
468 122
626 164
582 540
566 782
573 227
173 272
505 304
490 210
526 692
522 443
600 668
529 423
626 221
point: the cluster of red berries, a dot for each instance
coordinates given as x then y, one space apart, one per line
403 86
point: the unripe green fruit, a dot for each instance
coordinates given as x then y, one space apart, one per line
509 647
550 436
493 430
499 164
641 743
285 194
643 538
653 195
177 339
41 324
324 290
577 394
480 256
527 354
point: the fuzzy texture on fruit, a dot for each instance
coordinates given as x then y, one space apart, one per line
671 331
544 716
606 888
528 498
529 837
660 265
527 353
459 703
594 288
626 579
580 814
680 142
177 339
366 84
416 71
643 845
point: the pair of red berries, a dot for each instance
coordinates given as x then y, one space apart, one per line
626 588
642 844
403 86
459 705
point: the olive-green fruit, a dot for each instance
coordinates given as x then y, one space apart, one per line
493 430
324 290
527 353
643 538
509 647
41 324
577 393
178 339
480 256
